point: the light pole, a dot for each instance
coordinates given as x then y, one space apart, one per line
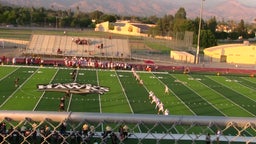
199 33
56 22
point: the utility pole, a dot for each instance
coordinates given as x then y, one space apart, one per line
199 33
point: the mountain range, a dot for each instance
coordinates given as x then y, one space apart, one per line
221 9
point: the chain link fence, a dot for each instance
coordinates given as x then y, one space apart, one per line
76 127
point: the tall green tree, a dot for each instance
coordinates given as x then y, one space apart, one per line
207 39
107 17
212 24
180 21
96 15
241 26
181 14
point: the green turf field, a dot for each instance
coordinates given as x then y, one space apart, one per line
190 94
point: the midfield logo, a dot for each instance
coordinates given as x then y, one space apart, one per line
73 87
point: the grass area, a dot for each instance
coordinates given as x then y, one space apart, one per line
159 47
191 94
20 34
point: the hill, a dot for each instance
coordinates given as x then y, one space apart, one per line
221 9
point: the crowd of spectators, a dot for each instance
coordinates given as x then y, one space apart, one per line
25 60
94 63
74 62
36 133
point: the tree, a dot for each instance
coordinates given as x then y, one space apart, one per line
85 22
159 29
106 17
181 14
96 15
180 21
207 39
212 24
180 25
241 27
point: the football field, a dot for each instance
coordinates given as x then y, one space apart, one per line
190 94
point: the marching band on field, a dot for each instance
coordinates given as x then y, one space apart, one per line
152 96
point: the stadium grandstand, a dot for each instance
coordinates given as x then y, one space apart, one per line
50 45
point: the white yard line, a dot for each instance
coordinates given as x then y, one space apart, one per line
126 96
99 94
44 91
102 125
9 74
230 99
71 95
204 99
224 97
18 88
239 92
177 96
247 80
124 93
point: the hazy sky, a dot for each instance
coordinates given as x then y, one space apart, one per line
214 2
245 2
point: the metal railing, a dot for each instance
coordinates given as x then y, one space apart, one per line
77 127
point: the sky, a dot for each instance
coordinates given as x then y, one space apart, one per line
245 2
214 2
192 6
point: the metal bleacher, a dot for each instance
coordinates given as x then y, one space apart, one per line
56 44
49 44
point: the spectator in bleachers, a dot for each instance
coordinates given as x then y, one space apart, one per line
105 134
34 132
63 128
47 132
208 139
121 132
59 51
126 129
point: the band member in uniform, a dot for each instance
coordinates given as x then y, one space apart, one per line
141 82
150 95
62 104
166 89
67 94
62 107
16 82
166 112
160 108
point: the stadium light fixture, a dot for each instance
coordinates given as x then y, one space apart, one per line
199 33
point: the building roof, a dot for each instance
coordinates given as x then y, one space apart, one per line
119 24
143 27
